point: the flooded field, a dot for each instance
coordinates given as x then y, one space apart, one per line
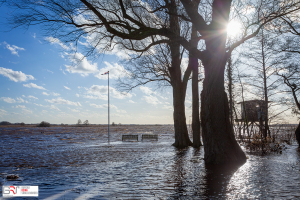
77 163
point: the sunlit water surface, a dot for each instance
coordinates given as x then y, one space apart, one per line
77 163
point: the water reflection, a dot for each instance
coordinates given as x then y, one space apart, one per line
217 178
74 165
271 176
180 170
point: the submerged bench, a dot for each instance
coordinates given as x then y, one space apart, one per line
130 137
150 136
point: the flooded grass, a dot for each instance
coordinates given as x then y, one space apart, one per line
77 163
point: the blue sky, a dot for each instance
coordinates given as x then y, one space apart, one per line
40 82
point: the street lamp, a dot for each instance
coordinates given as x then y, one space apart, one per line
108 103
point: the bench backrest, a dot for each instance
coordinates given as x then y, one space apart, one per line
150 136
130 137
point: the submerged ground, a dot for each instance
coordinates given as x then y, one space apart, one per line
77 163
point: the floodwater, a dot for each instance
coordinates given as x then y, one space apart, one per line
77 163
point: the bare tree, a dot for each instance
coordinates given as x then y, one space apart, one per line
291 78
139 25
86 122
287 28
264 84
156 68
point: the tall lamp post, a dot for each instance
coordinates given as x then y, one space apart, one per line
108 102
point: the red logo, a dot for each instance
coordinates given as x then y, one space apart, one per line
13 189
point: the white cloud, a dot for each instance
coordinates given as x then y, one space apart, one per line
49 71
98 106
20 100
39 105
81 65
130 101
100 92
168 107
32 97
121 111
67 88
151 99
74 110
55 94
60 100
77 95
8 100
53 40
45 93
16 76
188 101
20 106
11 100
115 71
2 112
146 90
53 107
110 106
26 111
34 36
13 48
32 85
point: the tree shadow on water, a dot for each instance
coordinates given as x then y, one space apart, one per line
217 178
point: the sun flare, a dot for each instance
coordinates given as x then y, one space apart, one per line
234 28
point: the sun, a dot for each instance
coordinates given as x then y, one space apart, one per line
234 28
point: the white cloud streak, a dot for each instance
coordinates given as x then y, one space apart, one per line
16 76
53 107
11 100
67 88
60 100
100 92
13 48
146 90
115 71
81 65
32 97
8 100
151 100
105 106
53 40
33 85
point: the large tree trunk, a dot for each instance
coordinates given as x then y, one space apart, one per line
220 145
181 133
179 88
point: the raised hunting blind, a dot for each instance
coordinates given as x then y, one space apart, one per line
253 111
